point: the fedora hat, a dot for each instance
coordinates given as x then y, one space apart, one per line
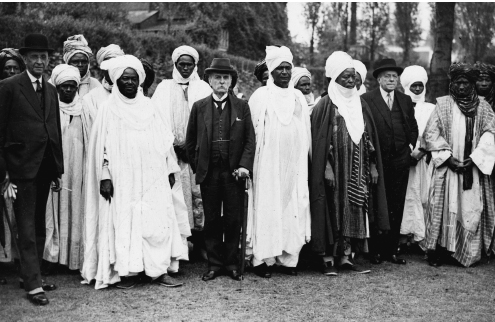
386 64
36 42
220 65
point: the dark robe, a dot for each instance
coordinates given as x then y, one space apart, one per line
323 222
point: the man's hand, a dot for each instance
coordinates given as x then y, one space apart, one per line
171 179
5 183
330 177
241 173
106 189
374 174
465 165
453 163
57 184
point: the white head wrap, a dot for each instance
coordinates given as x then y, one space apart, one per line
110 51
63 73
347 100
411 75
178 52
116 67
76 44
362 71
298 73
276 56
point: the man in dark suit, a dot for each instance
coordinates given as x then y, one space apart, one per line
393 113
31 146
220 143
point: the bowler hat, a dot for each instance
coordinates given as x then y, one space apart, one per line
35 42
386 64
220 65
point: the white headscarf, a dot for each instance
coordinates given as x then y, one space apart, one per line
362 71
347 100
63 73
110 51
282 100
178 52
298 73
116 67
411 75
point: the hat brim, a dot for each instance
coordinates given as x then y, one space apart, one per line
220 71
377 71
24 50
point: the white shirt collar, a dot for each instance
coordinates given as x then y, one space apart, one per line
34 79
219 99
385 95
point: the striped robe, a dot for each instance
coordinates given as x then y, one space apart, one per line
452 220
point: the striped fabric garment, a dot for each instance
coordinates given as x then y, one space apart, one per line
356 189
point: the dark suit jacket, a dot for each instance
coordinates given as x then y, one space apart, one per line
25 132
200 133
381 116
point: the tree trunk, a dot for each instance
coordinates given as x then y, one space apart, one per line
352 34
442 55
312 45
346 23
373 36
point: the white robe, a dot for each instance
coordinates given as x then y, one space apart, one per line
141 229
279 218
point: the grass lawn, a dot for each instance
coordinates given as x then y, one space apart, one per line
414 292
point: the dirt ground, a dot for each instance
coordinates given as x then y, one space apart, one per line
414 292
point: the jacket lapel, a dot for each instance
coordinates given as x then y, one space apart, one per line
47 98
233 110
208 117
401 103
382 107
28 91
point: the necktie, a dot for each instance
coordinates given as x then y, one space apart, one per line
389 101
185 91
39 92
219 105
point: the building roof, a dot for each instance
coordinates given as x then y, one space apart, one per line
139 16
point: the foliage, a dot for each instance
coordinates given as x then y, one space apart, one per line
374 25
333 31
312 15
406 21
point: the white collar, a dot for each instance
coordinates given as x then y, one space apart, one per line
215 97
34 79
385 94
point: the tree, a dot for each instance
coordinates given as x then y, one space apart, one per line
374 25
476 27
312 14
332 33
442 54
406 20
352 33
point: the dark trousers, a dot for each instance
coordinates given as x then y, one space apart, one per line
396 175
29 209
222 233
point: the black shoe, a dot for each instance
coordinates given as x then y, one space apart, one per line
46 287
38 298
288 270
376 259
126 282
329 269
167 281
395 260
433 259
235 275
210 275
263 271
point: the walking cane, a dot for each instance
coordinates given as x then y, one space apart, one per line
245 202
14 238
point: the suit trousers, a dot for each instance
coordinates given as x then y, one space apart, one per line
396 175
29 209
222 233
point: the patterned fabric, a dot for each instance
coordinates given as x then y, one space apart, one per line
490 71
260 69
7 54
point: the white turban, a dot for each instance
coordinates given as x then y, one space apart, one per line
63 73
76 44
298 73
411 75
346 99
110 51
362 71
117 65
276 56
180 51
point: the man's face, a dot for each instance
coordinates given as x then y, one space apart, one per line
282 74
483 84
185 65
10 69
462 86
358 81
128 83
417 88
220 83
304 85
347 78
36 62
81 62
67 91
388 80
264 78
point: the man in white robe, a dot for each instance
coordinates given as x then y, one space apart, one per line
175 98
460 136
301 80
131 220
280 220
